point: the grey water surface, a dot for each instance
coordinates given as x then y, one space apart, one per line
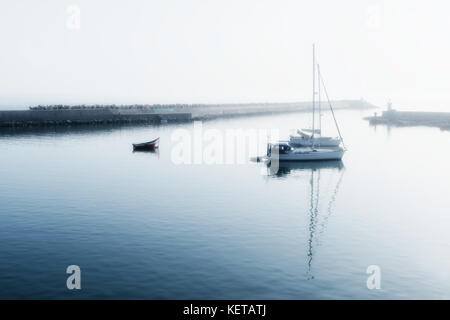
141 226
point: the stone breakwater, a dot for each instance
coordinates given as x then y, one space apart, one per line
86 116
98 114
412 118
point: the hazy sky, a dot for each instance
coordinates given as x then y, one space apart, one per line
179 51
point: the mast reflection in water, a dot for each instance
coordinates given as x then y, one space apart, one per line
325 178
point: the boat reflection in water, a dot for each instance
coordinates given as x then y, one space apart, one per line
281 168
323 179
155 151
145 153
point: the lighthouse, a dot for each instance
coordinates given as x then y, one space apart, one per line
389 106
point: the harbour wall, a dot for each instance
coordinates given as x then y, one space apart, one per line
85 116
416 115
412 118
71 115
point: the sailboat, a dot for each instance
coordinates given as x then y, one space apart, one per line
310 146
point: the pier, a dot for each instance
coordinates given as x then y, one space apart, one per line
412 118
111 114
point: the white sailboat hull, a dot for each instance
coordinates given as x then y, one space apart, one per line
301 154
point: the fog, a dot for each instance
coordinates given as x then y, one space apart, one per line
221 51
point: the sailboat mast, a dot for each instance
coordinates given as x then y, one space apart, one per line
314 90
320 104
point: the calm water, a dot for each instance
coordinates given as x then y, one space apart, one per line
140 226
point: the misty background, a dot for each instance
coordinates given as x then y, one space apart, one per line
223 51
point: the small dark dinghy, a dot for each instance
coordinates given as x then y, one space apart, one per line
146 146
